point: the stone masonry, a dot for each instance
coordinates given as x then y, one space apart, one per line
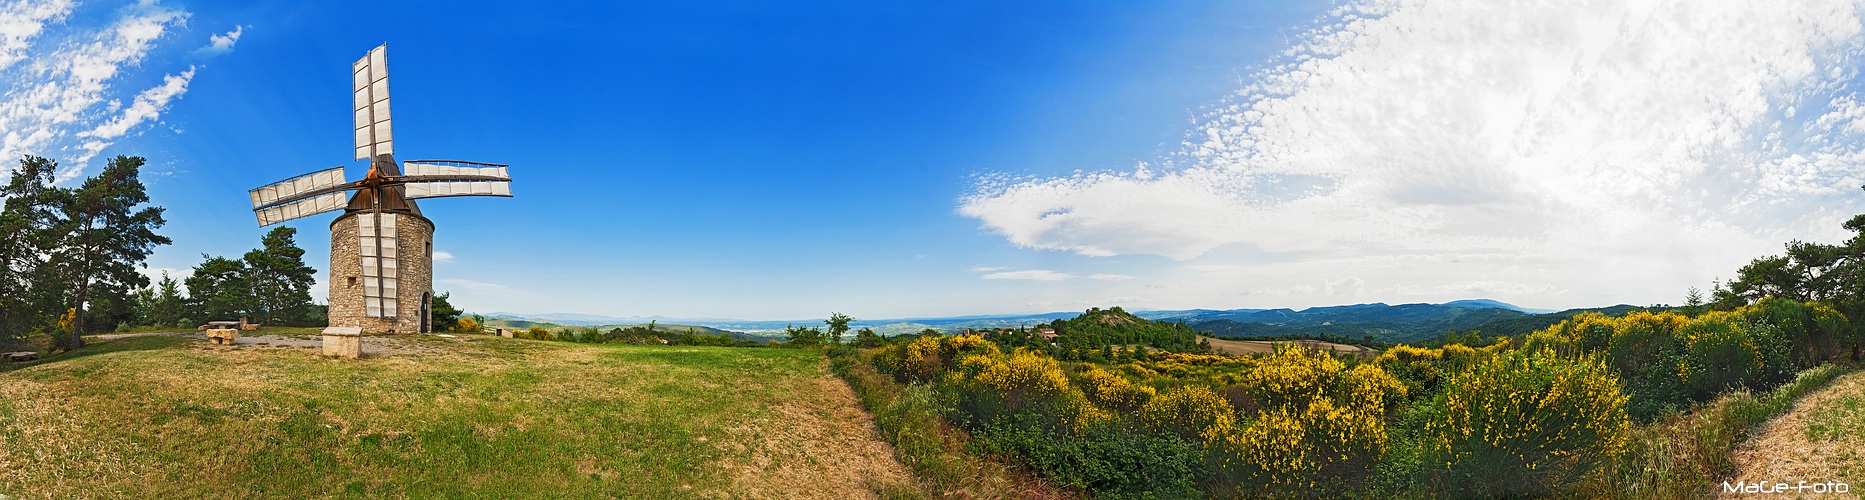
415 241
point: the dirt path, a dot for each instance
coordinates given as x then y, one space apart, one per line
1822 439
843 458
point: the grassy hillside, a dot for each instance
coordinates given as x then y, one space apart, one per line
170 417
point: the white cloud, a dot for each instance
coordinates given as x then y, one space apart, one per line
443 256
1030 274
24 20
62 95
147 106
1582 142
1109 277
221 44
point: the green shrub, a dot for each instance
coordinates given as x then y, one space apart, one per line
1108 460
1719 353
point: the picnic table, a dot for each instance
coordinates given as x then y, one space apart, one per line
223 332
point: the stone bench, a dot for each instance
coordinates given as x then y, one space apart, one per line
343 342
21 356
222 336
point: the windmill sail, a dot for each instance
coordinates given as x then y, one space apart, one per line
454 178
370 89
376 245
277 202
451 168
326 202
272 193
439 178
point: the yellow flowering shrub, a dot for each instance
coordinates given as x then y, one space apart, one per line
1290 377
1110 390
1527 423
1189 368
1641 337
991 385
921 359
1416 367
1187 411
925 357
66 320
1318 422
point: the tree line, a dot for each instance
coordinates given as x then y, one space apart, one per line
71 261
269 285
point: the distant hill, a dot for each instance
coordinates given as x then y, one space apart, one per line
1392 323
1480 303
1401 323
512 323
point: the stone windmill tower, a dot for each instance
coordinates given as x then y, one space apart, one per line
381 248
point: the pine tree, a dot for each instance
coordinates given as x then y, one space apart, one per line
444 315
30 293
279 281
217 291
168 302
103 237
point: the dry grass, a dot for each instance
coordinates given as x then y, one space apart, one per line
166 416
1821 439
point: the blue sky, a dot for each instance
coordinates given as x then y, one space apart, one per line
889 159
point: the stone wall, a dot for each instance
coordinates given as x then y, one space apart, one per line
415 268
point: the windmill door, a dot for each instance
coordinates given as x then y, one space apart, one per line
426 301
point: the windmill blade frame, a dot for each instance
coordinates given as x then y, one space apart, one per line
369 90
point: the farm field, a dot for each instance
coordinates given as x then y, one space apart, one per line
1241 347
472 416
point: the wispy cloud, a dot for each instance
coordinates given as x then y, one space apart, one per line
443 256
471 285
147 106
1029 274
62 93
1597 139
1044 275
221 44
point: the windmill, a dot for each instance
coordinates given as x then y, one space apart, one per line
381 248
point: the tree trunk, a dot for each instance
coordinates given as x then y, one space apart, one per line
84 285
77 318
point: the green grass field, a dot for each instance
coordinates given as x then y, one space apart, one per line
468 417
